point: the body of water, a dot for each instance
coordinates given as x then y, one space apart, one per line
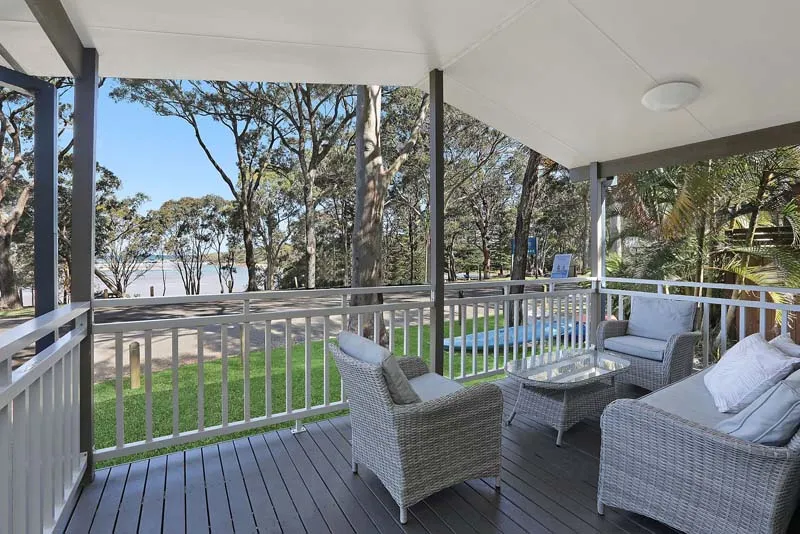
168 282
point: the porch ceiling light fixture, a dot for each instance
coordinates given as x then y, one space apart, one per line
670 96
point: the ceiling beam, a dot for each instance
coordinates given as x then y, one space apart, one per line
21 82
765 138
55 22
13 63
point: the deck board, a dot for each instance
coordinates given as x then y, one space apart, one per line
281 482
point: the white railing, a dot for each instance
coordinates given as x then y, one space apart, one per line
250 360
40 460
768 313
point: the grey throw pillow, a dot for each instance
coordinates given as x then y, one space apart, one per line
771 419
659 318
368 351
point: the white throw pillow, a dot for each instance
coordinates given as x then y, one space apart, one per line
747 370
787 345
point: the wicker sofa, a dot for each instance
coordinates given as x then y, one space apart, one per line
421 448
662 458
657 340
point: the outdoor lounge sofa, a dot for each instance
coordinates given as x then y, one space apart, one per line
450 435
661 457
657 339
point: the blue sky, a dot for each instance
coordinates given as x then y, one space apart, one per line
159 156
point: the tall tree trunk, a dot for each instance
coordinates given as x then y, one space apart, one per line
311 234
249 252
371 186
9 293
523 223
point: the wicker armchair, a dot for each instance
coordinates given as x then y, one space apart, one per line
421 448
692 477
676 354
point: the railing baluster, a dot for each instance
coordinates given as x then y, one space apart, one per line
69 430
19 461
148 385
496 342
59 445
268 368
706 334
580 324
49 452
515 303
462 319
485 336
451 348
201 396
360 322
723 330
762 314
391 331
224 372
119 407
289 365
742 322
326 369
558 324
74 356
550 325
246 368
406 344
307 336
376 328
524 303
176 416
474 338
6 466
420 315
542 304
34 499
784 322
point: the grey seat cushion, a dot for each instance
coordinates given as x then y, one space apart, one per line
643 347
432 386
771 419
368 351
659 318
688 398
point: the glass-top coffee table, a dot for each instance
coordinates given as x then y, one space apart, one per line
561 388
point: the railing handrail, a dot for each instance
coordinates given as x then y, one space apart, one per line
703 285
706 300
22 335
258 295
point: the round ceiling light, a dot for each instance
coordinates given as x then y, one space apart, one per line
670 96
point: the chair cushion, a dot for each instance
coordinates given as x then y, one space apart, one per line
643 347
689 399
432 386
787 345
368 351
771 419
659 318
745 372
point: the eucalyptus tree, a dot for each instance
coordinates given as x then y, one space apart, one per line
311 120
128 241
372 181
187 227
222 223
245 112
277 212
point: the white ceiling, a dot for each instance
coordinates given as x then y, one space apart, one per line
563 76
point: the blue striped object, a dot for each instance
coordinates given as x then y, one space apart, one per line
533 332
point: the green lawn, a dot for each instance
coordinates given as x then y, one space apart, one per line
134 401
17 313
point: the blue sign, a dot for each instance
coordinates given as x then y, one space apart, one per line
561 266
531 246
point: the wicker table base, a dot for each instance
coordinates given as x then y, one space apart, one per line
561 409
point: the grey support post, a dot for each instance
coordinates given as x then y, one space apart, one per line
45 203
437 219
597 243
83 210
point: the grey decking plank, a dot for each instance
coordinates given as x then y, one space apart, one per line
219 513
448 514
238 498
339 491
195 484
388 522
368 478
260 501
466 511
153 501
494 512
131 505
420 511
285 508
106 514
174 495
309 513
86 507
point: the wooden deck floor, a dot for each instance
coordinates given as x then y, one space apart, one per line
280 482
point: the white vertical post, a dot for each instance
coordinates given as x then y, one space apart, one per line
406 344
148 385
307 364
176 418
224 372
451 348
742 322
246 362
723 330
6 468
762 314
201 395
268 368
120 413
288 366
326 368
